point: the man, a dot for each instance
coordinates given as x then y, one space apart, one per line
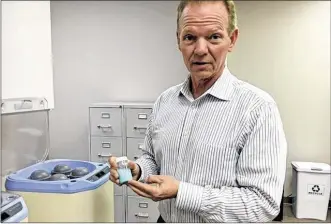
215 149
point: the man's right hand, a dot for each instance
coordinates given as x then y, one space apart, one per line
135 170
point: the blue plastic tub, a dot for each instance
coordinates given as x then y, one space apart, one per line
97 176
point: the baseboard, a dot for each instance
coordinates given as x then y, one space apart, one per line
289 200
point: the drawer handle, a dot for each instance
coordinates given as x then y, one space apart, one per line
140 146
138 128
105 115
102 156
143 205
141 215
142 116
106 145
104 126
316 169
135 157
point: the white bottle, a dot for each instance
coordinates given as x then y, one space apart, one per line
123 170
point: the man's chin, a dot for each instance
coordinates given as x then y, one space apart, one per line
201 75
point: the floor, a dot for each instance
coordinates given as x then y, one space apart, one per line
289 217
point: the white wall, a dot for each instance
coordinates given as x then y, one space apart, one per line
108 50
284 48
0 75
26 50
111 50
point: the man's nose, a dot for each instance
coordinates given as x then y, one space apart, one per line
201 47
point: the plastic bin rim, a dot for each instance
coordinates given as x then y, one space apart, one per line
311 167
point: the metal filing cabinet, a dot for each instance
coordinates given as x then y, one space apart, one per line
119 128
142 210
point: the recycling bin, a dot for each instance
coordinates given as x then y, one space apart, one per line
311 190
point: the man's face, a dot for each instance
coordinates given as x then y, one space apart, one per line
203 38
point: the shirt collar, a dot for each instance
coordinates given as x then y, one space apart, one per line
222 89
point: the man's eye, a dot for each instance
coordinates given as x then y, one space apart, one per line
215 37
188 37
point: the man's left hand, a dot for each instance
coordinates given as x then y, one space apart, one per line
157 187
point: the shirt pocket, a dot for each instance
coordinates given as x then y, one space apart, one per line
214 164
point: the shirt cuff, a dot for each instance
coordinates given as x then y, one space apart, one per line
142 177
189 197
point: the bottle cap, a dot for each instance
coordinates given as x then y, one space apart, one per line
120 159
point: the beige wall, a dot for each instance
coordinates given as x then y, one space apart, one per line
284 48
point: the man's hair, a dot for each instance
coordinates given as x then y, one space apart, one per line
230 6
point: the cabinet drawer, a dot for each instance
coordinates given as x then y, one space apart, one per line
131 192
134 147
118 190
106 121
134 150
103 147
119 215
137 122
142 210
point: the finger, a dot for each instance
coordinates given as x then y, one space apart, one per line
154 179
146 188
139 192
114 173
132 165
116 181
112 162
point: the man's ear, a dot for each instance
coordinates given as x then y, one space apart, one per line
233 38
178 40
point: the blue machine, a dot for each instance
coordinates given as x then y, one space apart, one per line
51 184
13 208
66 183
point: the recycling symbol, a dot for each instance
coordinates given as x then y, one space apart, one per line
316 188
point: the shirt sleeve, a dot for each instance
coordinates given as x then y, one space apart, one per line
146 161
261 172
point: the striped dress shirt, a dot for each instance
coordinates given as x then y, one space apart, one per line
227 148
